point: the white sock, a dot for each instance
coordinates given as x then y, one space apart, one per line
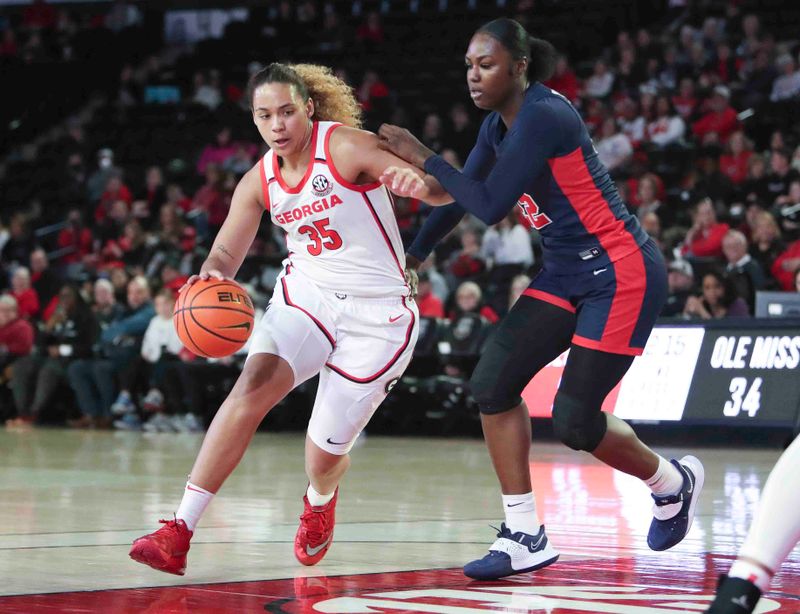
194 503
776 528
521 513
752 573
316 499
667 480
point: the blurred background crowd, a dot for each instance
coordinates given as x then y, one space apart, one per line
127 133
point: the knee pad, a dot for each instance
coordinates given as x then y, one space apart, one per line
578 426
489 395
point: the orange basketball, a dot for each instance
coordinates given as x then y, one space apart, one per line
213 318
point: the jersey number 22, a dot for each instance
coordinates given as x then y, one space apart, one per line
530 210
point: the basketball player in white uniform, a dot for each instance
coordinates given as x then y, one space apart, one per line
773 535
341 306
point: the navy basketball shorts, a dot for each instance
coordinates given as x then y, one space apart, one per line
616 305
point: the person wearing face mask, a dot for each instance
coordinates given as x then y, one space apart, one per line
98 180
341 306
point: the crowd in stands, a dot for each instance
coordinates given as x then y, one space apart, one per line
695 115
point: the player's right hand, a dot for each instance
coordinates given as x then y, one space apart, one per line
204 275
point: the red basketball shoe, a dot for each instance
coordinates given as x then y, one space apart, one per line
315 534
165 549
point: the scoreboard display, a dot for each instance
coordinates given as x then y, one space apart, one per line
719 373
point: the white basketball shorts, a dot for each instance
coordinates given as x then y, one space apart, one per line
359 346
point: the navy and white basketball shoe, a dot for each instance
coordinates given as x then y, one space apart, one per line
673 514
513 553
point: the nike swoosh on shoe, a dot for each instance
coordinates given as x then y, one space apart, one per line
316 549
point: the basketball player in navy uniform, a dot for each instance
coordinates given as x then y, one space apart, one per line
601 288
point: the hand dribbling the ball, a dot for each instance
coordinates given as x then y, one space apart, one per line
204 275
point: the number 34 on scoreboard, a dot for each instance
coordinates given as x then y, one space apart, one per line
743 398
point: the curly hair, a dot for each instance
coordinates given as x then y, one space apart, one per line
333 98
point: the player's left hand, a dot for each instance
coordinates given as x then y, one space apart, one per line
404 182
412 280
403 144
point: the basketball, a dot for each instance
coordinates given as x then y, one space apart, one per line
213 318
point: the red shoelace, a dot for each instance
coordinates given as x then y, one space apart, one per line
314 522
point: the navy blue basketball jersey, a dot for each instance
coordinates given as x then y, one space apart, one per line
547 166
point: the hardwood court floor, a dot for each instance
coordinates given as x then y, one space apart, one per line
411 512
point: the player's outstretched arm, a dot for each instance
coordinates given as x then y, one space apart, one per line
239 229
533 138
357 153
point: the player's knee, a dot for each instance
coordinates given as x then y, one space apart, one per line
491 397
577 425
324 466
258 390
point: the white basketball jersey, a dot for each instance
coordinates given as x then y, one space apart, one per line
343 236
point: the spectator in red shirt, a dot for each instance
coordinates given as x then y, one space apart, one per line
115 190
8 46
210 199
721 118
467 263
734 162
371 31
728 65
177 198
171 276
594 116
564 80
704 239
127 249
75 239
372 91
16 334
428 303
39 15
23 292
785 267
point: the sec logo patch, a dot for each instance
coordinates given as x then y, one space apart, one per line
320 185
